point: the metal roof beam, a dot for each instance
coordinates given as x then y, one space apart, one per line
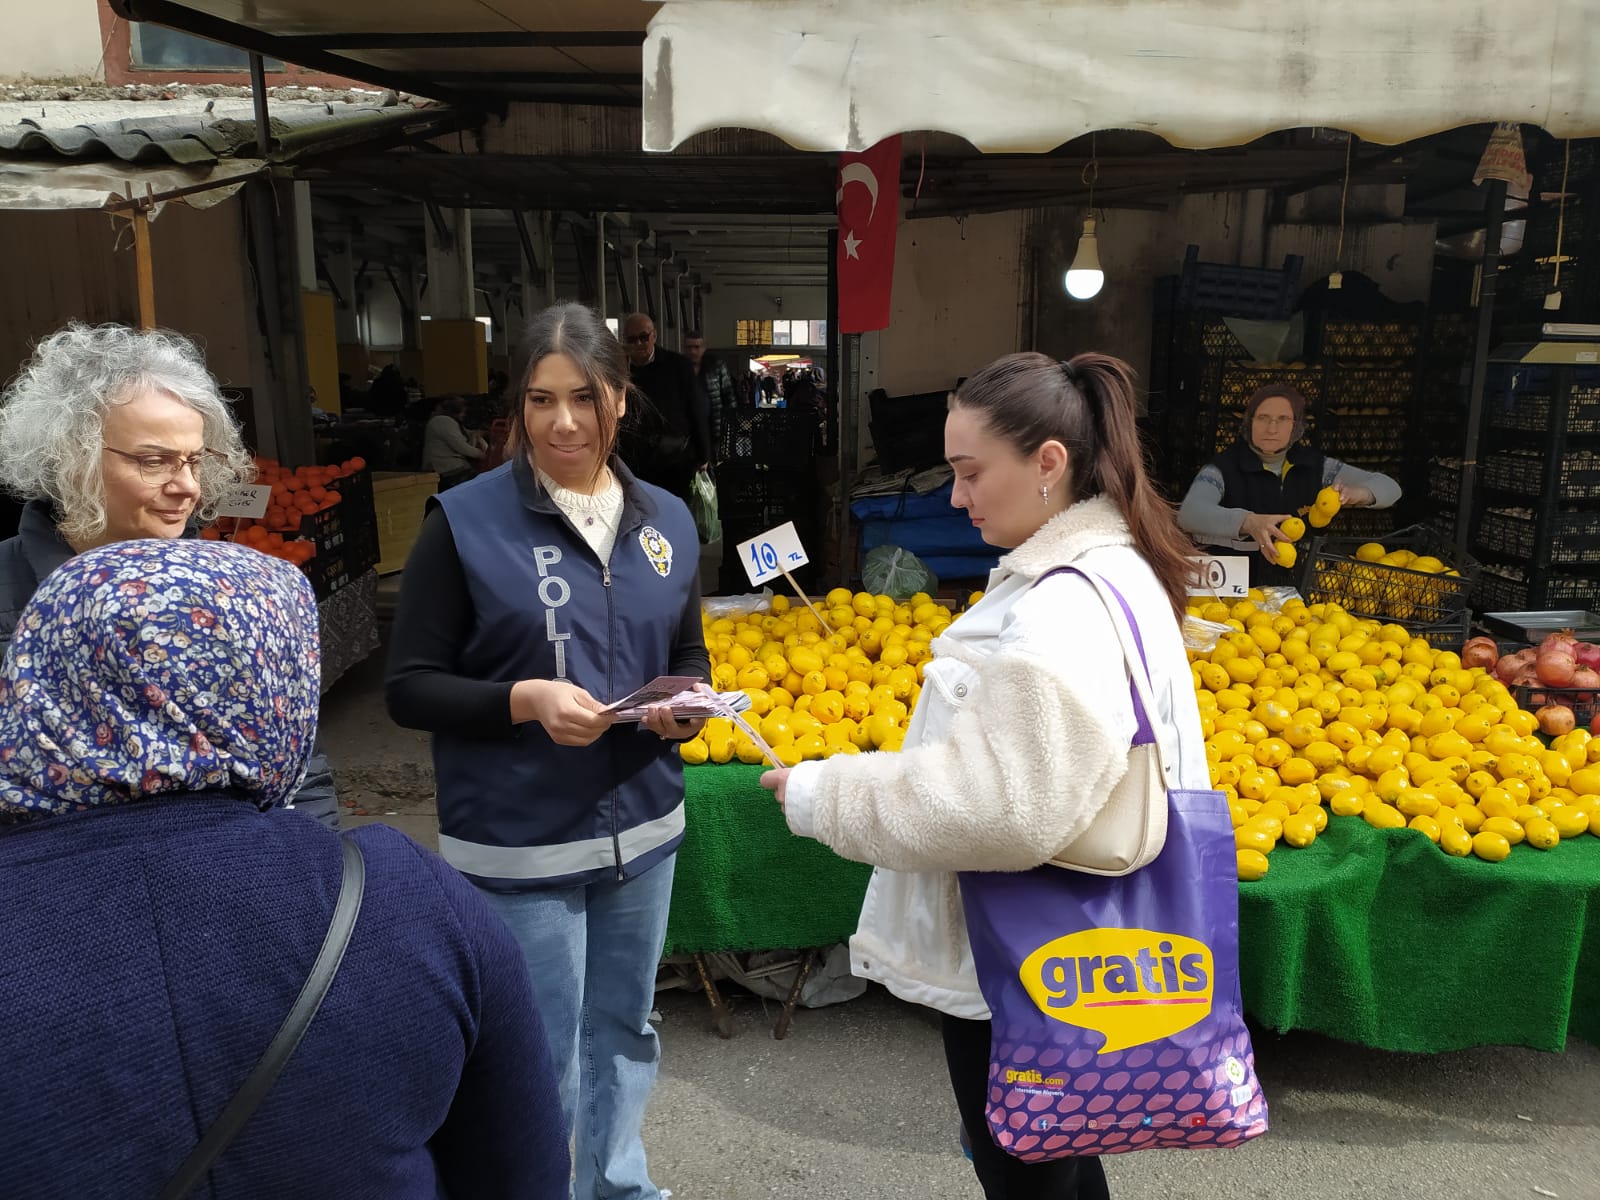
496 39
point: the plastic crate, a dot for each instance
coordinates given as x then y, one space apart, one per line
782 436
1332 572
1370 340
1574 536
1251 292
1584 702
1444 480
1505 587
1521 472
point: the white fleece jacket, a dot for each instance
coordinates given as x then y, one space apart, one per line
1021 732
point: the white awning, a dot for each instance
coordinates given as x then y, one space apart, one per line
1028 75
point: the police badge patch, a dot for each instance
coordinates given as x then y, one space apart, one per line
657 549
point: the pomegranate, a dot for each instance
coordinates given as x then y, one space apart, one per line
1587 654
1511 665
1586 677
1480 652
1555 719
1594 724
1555 665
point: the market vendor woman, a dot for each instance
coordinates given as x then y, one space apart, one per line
1238 502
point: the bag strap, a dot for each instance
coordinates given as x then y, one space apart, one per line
1139 681
265 1073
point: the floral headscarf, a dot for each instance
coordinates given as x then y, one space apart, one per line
159 666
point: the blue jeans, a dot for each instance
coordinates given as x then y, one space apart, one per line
592 952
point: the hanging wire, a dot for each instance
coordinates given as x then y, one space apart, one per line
1091 171
1561 214
1344 195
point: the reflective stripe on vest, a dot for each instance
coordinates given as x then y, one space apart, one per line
567 858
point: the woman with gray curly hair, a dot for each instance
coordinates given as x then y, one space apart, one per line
111 434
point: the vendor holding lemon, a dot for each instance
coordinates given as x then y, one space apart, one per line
1261 492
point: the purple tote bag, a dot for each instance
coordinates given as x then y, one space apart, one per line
1117 1018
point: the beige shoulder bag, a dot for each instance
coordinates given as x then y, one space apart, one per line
1131 829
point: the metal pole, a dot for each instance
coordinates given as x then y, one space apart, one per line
679 313
661 294
258 93
600 261
1495 199
638 281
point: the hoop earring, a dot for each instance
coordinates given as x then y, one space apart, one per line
1044 492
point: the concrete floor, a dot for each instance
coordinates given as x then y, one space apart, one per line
853 1105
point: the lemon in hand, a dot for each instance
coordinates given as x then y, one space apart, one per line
1287 555
1293 528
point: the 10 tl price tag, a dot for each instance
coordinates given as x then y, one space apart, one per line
772 554
1223 575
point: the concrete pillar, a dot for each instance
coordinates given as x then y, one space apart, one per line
320 335
455 355
352 351
450 280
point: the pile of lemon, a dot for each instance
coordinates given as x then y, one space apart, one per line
818 691
1309 710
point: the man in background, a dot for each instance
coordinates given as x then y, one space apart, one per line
716 385
671 439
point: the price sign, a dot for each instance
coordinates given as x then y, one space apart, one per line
248 501
772 554
1220 575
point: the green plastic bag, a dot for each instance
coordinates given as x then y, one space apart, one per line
891 571
703 506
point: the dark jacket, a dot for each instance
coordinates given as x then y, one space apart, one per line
148 955
671 435
1248 485
516 811
36 550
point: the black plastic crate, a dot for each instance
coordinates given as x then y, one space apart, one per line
1584 702
1505 587
1332 572
1444 480
1366 341
782 437
1574 536
1252 292
907 431
1521 473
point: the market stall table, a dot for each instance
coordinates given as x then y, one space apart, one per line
1374 937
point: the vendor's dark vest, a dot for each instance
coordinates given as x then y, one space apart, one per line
1248 485
520 812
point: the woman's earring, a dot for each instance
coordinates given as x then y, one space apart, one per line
1044 492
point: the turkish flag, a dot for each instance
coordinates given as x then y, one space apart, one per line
869 213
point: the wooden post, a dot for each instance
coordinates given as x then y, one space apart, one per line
144 270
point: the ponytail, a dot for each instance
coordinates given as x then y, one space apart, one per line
1118 471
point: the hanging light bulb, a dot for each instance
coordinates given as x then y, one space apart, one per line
1084 276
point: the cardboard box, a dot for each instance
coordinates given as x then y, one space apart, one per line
399 500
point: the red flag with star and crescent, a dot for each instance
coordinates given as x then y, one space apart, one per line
869 214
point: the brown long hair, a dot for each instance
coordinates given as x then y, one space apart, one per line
1087 403
578 332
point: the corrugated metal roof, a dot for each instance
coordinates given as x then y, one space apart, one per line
195 138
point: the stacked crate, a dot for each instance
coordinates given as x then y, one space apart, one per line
1536 520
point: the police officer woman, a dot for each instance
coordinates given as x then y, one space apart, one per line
536 594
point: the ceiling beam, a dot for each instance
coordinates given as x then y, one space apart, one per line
484 40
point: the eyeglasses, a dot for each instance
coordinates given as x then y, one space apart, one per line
161 467
639 339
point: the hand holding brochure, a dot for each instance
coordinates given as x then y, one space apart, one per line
687 697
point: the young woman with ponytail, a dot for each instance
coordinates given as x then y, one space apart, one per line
1024 722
